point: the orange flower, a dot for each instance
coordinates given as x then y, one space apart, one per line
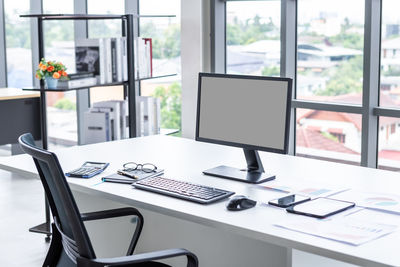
64 74
48 62
37 76
40 64
56 75
43 67
50 68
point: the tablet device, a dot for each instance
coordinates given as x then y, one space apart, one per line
321 207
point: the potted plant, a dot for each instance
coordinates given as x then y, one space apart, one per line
51 72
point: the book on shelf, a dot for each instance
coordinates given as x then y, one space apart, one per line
144 57
106 57
76 83
149 55
80 75
87 55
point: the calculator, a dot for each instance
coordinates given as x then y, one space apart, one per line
88 169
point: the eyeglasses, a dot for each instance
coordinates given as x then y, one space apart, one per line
146 167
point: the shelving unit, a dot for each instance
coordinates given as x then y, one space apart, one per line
129 85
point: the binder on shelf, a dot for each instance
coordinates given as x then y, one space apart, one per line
149 56
124 59
111 116
108 60
96 127
115 110
114 59
144 57
148 115
119 53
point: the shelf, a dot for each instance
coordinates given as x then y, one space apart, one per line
37 89
89 16
156 77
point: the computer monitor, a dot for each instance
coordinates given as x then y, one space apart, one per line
251 112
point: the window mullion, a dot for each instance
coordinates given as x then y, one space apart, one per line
372 38
218 36
289 57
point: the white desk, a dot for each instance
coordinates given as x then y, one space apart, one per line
262 243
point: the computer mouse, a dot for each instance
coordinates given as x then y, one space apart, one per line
240 203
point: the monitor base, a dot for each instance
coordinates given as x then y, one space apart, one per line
252 177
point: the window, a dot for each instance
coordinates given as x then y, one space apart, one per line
389 136
330 50
253 37
18 44
328 135
390 55
165 34
389 143
328 69
59 46
106 29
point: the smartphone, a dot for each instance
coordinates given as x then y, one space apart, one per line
289 200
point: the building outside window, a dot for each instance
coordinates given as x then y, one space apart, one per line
253 37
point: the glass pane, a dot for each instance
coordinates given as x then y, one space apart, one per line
253 37
333 136
18 44
105 28
330 50
59 46
166 52
389 143
390 54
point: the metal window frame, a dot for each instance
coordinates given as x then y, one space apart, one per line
3 47
369 110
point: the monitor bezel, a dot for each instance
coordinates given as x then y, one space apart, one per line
241 145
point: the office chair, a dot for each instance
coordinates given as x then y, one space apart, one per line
70 245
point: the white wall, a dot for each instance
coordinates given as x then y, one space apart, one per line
194 48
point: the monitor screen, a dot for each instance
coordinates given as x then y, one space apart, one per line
246 111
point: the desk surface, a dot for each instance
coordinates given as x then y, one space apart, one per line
16 93
185 159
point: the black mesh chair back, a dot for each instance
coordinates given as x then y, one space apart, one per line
70 244
62 204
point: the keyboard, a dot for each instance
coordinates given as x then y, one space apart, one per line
183 190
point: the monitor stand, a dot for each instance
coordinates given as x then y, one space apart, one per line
254 173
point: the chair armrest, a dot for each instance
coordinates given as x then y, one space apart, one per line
106 214
139 258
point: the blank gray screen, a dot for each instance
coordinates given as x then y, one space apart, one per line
243 111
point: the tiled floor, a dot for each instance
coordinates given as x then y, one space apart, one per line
21 207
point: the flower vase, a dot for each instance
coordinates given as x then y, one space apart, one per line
51 83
